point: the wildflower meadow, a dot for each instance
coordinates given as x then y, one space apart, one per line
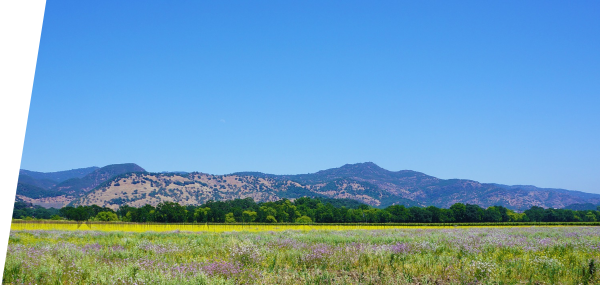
481 255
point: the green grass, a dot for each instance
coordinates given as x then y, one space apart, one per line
503 255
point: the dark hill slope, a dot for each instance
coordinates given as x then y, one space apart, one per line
34 192
429 190
59 176
77 186
582 207
579 194
116 185
41 183
45 192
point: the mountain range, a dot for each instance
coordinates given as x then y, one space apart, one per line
129 184
56 189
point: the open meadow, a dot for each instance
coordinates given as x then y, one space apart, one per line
481 255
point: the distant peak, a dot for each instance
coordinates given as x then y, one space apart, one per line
123 167
123 164
363 164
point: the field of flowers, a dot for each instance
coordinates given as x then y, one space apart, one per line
255 227
482 255
199 227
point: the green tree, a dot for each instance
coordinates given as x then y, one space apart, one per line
147 213
473 213
383 216
22 213
399 213
436 214
128 217
249 216
290 211
265 211
589 217
446 216
492 214
201 214
106 217
170 212
515 217
304 220
229 218
56 218
42 213
504 213
76 214
420 215
535 214
552 215
190 211
372 215
271 219
282 215
237 212
458 211
124 213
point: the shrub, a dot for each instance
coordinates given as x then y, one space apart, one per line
106 217
229 218
56 218
304 220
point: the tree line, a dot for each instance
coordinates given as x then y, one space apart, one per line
304 210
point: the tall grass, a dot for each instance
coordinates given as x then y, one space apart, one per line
507 255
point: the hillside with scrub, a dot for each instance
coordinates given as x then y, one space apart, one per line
129 184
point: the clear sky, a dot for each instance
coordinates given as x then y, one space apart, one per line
494 91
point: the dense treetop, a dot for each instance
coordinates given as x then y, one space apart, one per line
303 210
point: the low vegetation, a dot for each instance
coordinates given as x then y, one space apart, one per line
494 255
305 210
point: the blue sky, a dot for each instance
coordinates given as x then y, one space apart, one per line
505 92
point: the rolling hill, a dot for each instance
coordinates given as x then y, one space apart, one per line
59 176
364 182
41 189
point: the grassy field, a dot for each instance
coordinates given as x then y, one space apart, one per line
482 255
199 227
163 227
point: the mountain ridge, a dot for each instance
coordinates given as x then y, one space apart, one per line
44 192
59 176
364 182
